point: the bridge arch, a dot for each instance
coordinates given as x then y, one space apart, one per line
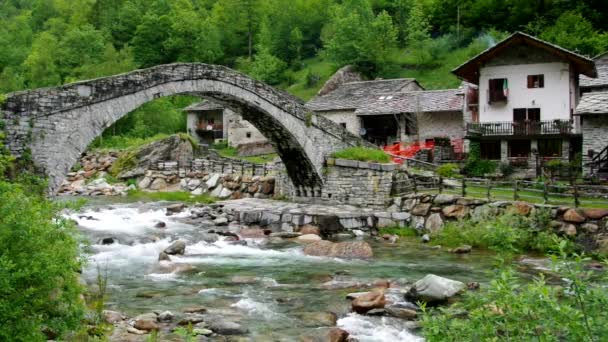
57 124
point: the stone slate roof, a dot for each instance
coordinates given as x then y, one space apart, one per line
353 95
448 100
203 106
593 103
601 63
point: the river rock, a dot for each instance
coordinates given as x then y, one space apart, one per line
191 319
165 317
160 224
401 311
522 208
176 208
590 227
444 199
227 328
318 319
573 216
112 317
309 229
308 238
421 209
568 229
108 241
337 335
255 233
371 300
462 249
176 248
213 181
349 249
158 184
221 221
434 223
596 214
163 257
425 238
433 288
455 211
146 322
285 235
194 309
225 193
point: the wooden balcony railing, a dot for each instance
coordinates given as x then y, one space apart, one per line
525 128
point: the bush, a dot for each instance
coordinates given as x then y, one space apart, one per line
363 154
479 167
508 233
533 311
39 261
506 169
448 170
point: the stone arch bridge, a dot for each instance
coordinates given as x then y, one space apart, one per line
57 124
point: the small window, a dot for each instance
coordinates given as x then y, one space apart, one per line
550 147
248 134
343 124
498 90
536 81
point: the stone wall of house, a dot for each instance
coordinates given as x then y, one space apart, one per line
594 136
347 117
440 124
241 131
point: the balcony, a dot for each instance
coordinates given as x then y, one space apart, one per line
524 128
210 131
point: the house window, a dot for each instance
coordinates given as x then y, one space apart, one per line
248 134
550 147
343 124
519 148
526 114
490 150
498 90
536 81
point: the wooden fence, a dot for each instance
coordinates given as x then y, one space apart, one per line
517 190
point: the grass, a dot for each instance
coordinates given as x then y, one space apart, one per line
119 142
301 87
362 154
399 231
171 197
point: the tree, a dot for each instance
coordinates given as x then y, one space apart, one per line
295 45
79 48
149 41
572 31
41 67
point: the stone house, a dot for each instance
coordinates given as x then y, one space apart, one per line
593 113
523 109
386 111
210 122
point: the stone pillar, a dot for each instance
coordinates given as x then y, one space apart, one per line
565 149
504 151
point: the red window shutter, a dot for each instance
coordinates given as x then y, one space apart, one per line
530 81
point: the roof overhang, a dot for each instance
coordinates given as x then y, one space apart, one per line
469 71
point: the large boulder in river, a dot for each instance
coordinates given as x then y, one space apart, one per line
176 248
369 301
434 288
135 164
350 249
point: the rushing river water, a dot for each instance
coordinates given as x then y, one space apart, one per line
265 286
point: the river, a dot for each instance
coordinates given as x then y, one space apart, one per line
268 286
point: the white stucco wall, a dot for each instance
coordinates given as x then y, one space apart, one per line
352 121
553 100
440 124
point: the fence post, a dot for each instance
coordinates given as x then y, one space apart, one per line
515 190
489 188
440 184
577 201
545 191
464 187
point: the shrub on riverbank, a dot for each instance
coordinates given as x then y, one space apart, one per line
185 197
39 261
362 154
509 233
535 311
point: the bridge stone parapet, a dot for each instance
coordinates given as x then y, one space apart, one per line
55 125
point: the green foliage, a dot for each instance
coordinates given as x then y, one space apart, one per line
479 167
506 169
362 154
509 233
572 31
171 197
448 170
531 311
126 161
399 231
39 260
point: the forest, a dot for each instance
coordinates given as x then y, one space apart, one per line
295 45
292 44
